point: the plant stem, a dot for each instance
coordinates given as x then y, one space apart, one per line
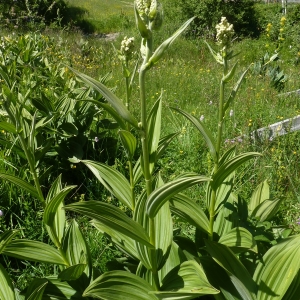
145 157
218 144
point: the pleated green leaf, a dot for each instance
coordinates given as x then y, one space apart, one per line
34 251
76 250
57 219
61 290
186 281
266 210
235 90
112 112
128 142
154 127
203 130
163 225
113 100
230 166
162 146
165 45
161 195
239 239
227 217
36 289
293 291
260 194
187 210
53 208
6 237
113 181
21 183
239 275
120 285
72 273
113 217
175 258
278 269
8 127
6 286
125 243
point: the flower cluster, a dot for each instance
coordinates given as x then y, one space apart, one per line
225 32
151 13
268 29
281 30
127 46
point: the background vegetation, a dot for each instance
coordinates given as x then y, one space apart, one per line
54 33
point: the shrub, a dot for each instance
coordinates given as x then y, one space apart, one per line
241 13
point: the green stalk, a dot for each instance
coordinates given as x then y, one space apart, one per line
218 144
145 150
131 183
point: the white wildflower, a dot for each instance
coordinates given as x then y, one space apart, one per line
225 32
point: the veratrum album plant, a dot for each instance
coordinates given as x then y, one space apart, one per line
230 256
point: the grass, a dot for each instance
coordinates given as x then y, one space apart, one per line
104 16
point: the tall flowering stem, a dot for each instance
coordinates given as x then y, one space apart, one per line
224 36
148 18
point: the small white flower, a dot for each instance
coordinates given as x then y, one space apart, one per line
201 118
231 113
225 32
96 139
1 213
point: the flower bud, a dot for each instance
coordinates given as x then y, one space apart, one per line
156 15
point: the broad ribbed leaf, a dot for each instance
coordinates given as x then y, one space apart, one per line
165 45
112 112
278 268
8 127
235 90
54 203
6 237
6 286
113 181
187 210
260 194
113 100
125 243
175 258
164 193
72 273
76 250
162 146
61 290
113 217
120 285
227 217
34 251
239 239
154 126
128 142
266 210
230 166
239 275
21 183
293 291
218 277
203 130
186 281
36 289
163 225
54 217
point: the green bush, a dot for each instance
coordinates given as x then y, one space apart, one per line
240 13
25 13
